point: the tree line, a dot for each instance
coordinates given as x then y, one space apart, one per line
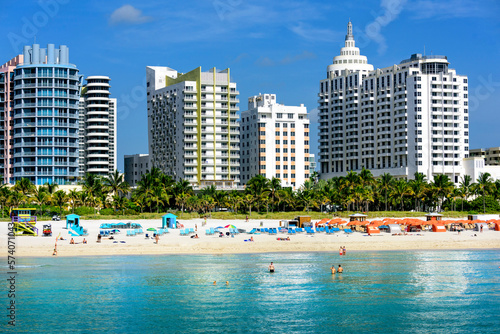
158 192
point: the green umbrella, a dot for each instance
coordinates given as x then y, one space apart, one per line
151 229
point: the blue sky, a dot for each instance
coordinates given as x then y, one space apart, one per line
271 47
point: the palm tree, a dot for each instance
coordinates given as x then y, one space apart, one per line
274 187
442 186
25 186
484 186
4 197
181 199
41 197
401 188
74 198
92 185
60 199
115 182
419 188
385 183
466 188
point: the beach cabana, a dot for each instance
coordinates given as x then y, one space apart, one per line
438 228
394 228
169 220
72 220
357 216
372 229
497 225
433 216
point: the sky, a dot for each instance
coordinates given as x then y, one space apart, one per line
276 47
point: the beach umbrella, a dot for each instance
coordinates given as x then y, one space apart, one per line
151 229
229 226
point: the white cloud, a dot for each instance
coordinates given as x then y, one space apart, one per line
315 34
127 14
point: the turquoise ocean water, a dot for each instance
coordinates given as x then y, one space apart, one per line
379 292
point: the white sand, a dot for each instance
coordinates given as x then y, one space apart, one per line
173 243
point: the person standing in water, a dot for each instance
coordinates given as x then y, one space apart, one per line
271 268
340 270
343 250
333 269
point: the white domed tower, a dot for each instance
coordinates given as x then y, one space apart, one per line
349 58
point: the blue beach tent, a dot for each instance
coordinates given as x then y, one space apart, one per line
169 220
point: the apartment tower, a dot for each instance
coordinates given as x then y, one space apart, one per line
193 125
45 121
97 128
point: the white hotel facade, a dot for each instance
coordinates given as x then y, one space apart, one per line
193 126
275 141
406 118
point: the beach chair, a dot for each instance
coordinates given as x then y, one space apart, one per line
299 230
348 231
252 231
139 231
165 231
191 230
212 231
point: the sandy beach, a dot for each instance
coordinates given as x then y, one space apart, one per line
174 243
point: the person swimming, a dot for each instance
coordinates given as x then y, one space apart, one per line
271 268
340 270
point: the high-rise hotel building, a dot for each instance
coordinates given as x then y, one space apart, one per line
193 125
97 128
45 117
7 72
274 141
406 118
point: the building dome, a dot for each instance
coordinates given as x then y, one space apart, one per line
349 58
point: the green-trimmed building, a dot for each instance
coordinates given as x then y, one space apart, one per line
193 125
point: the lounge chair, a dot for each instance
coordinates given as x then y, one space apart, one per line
252 231
348 230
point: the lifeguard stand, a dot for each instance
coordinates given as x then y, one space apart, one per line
24 221
357 216
74 227
169 220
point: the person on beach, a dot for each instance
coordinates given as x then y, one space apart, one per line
343 250
99 238
340 270
333 269
196 227
271 268
72 242
55 252
84 240
247 218
157 238
251 238
481 228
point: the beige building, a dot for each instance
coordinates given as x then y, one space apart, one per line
274 141
490 155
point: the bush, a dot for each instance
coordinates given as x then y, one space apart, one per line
131 212
491 204
84 211
107 212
